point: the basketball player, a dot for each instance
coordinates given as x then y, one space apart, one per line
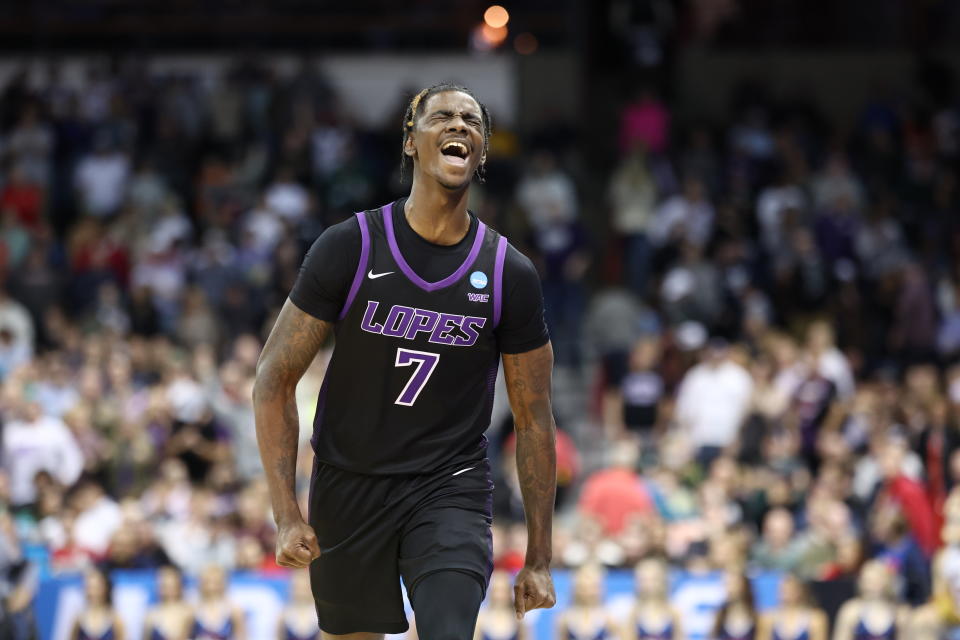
423 299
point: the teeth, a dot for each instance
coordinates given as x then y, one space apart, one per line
459 145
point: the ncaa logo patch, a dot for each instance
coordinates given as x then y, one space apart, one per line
478 279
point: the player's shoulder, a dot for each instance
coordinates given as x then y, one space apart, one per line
516 263
340 235
338 241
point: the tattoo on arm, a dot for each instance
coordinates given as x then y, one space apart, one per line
528 377
290 349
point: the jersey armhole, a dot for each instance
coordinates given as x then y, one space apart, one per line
498 280
361 264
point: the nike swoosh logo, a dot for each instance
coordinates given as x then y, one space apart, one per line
463 470
374 276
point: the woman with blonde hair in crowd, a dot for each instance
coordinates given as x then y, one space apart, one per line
98 620
215 618
737 617
875 613
498 620
299 618
652 617
171 617
586 618
795 618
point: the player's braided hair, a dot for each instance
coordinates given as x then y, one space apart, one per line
415 108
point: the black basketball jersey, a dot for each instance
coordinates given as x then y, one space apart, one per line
409 387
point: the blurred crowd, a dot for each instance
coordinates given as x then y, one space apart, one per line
762 319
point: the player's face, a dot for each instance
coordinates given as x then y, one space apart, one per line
447 141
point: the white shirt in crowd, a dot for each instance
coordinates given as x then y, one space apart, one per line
187 399
772 204
713 401
694 220
288 200
102 180
95 527
17 348
46 444
547 198
15 317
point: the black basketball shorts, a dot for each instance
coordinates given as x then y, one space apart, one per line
374 529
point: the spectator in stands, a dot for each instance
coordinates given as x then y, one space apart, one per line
643 392
546 193
713 401
777 548
612 495
897 548
98 519
909 495
561 251
32 443
633 197
645 121
685 217
101 178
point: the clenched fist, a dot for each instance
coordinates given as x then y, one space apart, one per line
533 589
297 545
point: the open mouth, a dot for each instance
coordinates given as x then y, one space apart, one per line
455 152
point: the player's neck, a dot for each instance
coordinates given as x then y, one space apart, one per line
437 214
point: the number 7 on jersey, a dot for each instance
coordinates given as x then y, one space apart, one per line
426 362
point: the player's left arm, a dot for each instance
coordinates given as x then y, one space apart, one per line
528 376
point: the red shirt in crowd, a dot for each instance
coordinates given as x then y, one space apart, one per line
912 498
612 496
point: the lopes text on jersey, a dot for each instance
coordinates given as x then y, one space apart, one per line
407 322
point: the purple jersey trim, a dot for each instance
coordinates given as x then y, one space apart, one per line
498 280
361 265
410 273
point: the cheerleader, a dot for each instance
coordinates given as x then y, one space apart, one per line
498 620
586 618
299 619
652 617
737 617
171 617
874 614
215 618
795 618
99 620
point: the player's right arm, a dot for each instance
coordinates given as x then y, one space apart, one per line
291 347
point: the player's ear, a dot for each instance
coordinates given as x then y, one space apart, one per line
409 146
